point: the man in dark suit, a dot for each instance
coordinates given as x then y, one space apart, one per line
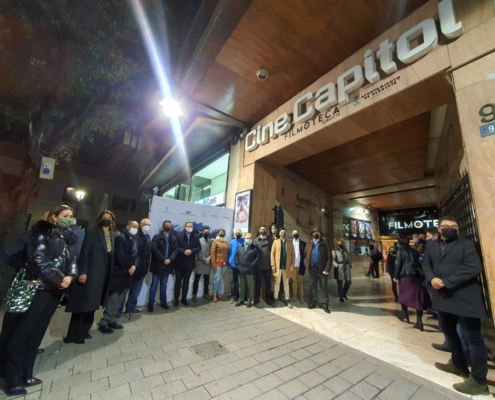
452 266
126 263
300 269
187 247
137 280
318 262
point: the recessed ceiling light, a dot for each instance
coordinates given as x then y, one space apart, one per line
262 74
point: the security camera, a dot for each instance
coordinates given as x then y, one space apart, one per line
262 74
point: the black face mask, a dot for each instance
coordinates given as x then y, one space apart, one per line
205 235
341 246
263 233
449 233
238 236
296 236
316 236
106 222
166 229
221 235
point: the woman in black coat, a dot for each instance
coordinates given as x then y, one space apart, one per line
51 254
95 271
409 275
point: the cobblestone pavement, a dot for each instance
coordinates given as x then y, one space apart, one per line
260 355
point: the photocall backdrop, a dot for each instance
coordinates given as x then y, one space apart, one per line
179 212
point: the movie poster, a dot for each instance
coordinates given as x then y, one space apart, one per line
346 227
362 233
367 226
354 228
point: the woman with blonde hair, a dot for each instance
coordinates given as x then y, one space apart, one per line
219 254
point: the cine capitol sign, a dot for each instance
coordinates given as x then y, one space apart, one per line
331 94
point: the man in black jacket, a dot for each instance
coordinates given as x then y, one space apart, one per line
187 247
163 251
246 258
452 265
126 263
137 279
300 269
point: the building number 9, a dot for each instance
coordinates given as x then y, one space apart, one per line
488 114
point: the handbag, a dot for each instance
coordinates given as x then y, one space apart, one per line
20 294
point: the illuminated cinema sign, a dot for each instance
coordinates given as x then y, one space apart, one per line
407 221
331 94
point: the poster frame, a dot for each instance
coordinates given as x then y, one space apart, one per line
248 192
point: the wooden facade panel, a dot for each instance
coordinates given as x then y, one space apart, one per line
476 71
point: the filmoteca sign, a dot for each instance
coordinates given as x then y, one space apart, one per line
332 95
407 221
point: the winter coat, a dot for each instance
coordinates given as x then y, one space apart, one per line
290 260
219 253
458 265
51 253
80 237
391 263
265 247
124 260
324 257
183 262
144 255
201 267
234 244
93 263
158 250
341 262
246 260
407 263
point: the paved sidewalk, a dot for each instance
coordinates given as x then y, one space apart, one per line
264 356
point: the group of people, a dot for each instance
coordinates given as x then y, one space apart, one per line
105 267
441 273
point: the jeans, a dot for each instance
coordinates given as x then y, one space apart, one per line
206 284
343 288
234 283
217 279
243 279
471 331
161 280
265 274
316 279
134 290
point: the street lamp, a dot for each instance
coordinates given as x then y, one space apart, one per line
79 196
171 108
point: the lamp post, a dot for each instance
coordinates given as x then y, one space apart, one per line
79 196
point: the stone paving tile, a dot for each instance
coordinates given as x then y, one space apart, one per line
152 359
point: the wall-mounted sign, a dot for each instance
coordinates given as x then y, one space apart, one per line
333 94
407 221
217 200
488 114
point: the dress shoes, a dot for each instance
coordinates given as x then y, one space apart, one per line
17 391
105 329
312 306
133 311
29 380
239 303
88 336
165 306
41 351
76 341
115 325
327 310
151 308
195 298
442 347
185 302
175 303
249 305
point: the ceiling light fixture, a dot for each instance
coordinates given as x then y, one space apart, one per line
262 74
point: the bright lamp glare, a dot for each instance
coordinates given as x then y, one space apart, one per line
171 107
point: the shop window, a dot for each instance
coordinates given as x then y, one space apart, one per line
210 184
123 204
170 194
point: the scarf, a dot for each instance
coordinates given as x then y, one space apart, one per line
221 239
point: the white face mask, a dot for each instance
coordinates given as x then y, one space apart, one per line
248 241
133 231
189 230
146 228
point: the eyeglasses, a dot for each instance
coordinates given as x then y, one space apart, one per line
449 227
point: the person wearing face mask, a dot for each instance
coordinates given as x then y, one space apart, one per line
91 289
392 254
219 259
263 271
127 259
188 247
163 254
318 262
274 231
341 261
234 279
299 268
283 261
452 266
51 261
137 279
246 260
203 266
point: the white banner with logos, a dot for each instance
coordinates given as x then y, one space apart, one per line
180 212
